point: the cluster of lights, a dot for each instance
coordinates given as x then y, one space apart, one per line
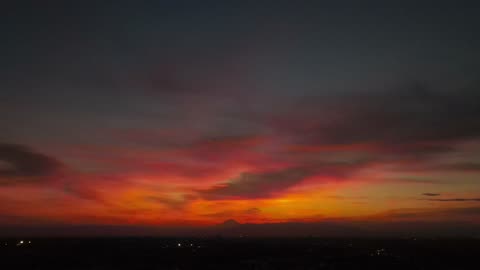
379 252
190 245
21 242
181 245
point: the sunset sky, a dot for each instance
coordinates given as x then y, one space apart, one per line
191 113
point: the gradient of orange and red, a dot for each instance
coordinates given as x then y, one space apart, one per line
195 115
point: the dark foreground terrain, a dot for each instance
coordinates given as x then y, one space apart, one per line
238 253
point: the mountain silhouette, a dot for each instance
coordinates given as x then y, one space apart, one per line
230 223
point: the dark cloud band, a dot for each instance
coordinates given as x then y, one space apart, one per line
22 162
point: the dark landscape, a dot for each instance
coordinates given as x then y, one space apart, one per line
238 253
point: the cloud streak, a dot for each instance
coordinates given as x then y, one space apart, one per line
23 163
408 117
253 185
454 200
431 194
257 185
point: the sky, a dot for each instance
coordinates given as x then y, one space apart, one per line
190 113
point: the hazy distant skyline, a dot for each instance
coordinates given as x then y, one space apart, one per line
181 113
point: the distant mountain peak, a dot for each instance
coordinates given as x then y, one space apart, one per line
230 223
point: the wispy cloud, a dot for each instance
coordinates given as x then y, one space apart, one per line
257 185
24 164
431 194
454 200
